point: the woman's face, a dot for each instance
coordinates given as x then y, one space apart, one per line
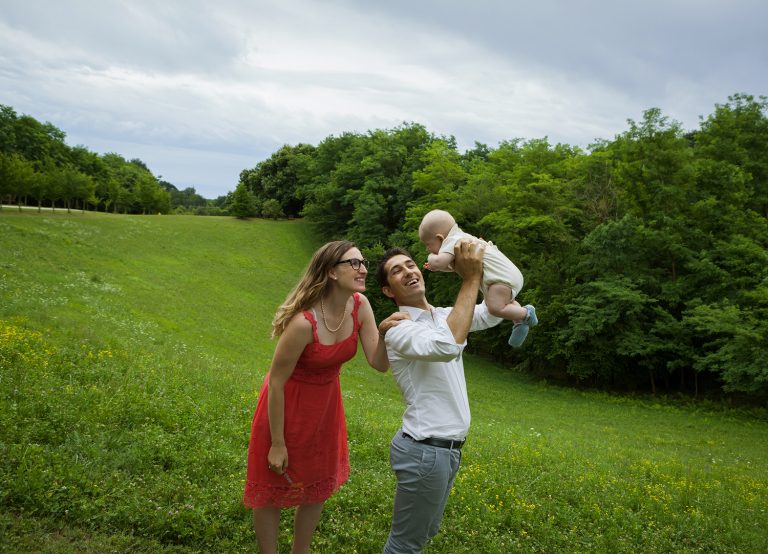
346 274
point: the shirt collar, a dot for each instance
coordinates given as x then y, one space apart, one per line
413 311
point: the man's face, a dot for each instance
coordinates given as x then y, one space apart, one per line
406 284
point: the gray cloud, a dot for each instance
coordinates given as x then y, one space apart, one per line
201 90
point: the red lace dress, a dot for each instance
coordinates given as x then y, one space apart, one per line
315 429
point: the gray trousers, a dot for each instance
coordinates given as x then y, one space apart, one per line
425 476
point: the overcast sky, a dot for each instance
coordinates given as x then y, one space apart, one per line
200 90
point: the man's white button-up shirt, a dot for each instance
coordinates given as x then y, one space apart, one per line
428 367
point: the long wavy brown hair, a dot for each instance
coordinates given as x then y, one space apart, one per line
312 285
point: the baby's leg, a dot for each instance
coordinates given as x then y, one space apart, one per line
502 304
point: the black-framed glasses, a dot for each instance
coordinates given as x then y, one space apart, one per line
355 263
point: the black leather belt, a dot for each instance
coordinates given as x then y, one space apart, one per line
440 443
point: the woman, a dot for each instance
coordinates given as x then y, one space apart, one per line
298 454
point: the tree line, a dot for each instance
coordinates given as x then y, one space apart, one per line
38 168
646 255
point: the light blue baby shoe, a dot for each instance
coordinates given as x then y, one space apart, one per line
520 330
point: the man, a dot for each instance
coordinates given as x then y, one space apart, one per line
425 353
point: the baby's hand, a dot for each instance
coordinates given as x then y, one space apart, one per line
426 266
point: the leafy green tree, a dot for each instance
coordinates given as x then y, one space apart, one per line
354 171
615 309
54 185
329 206
271 209
370 213
187 198
442 175
282 177
737 132
653 166
39 142
74 185
243 204
734 340
727 317
16 177
25 178
145 187
594 187
125 201
38 189
8 119
93 166
478 154
114 188
73 175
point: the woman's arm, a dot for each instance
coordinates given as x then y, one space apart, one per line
290 345
372 337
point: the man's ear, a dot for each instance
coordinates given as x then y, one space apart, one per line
387 292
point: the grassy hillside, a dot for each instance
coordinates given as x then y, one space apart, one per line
131 352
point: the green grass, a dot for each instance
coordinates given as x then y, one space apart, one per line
131 353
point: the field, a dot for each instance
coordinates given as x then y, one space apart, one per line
131 353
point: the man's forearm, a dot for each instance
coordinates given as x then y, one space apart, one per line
460 318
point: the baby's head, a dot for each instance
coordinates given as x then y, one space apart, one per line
434 228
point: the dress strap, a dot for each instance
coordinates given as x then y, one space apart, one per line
356 323
311 316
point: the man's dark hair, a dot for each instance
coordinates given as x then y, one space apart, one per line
381 274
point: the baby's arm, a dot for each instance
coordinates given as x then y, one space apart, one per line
442 261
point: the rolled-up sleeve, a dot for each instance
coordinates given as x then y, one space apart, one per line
482 318
413 341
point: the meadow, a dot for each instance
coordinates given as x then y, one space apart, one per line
132 349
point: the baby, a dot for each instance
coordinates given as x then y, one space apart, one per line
502 281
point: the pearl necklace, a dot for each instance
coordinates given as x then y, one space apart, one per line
322 311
